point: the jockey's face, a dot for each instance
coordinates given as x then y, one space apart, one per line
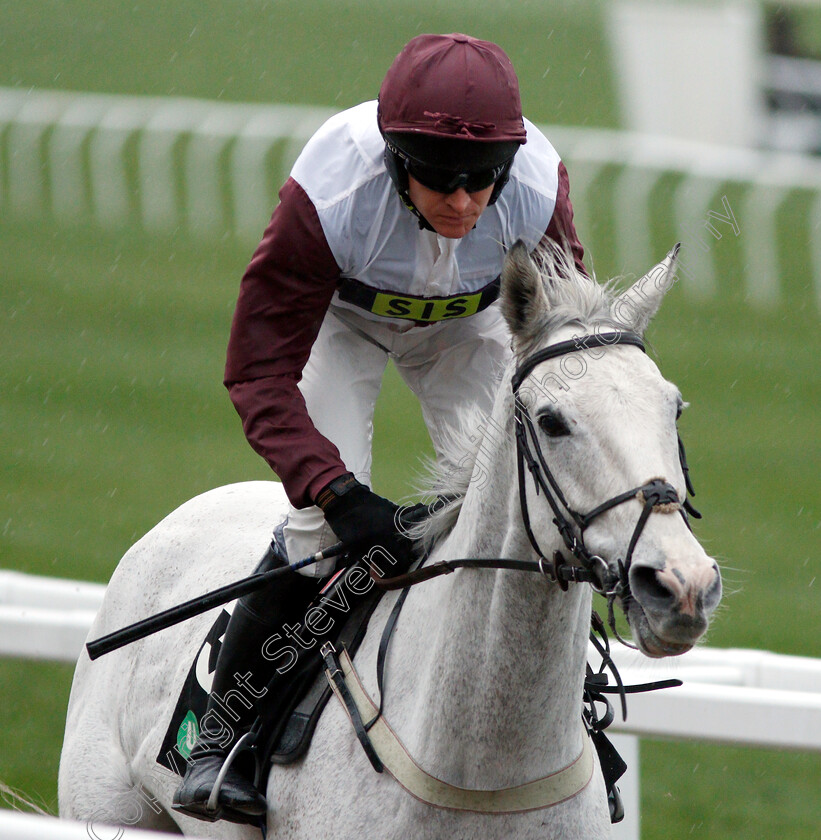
451 215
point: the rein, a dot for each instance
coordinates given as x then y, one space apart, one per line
565 573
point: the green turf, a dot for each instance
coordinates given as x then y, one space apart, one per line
707 791
112 412
330 52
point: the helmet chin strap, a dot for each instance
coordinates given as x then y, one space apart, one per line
500 183
424 224
399 176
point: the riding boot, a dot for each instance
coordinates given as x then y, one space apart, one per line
241 674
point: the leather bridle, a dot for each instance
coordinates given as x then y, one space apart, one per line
656 495
610 580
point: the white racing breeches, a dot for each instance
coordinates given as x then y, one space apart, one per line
449 365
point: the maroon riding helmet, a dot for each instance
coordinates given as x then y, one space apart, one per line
451 115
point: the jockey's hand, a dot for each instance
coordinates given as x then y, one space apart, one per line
361 519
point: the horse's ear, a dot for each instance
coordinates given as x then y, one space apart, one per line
523 299
636 307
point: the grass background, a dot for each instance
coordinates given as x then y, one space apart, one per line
112 411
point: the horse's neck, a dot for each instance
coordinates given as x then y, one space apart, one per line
500 655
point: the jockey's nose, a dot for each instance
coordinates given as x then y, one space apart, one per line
460 200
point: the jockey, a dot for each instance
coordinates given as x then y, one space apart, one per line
388 242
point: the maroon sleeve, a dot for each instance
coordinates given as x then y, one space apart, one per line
561 228
283 298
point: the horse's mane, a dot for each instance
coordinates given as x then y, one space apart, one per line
573 298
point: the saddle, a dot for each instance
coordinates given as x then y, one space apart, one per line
283 731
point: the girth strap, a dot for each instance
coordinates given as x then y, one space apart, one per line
337 679
542 793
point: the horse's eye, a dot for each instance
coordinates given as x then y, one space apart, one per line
553 424
680 406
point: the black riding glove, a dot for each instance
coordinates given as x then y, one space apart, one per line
361 519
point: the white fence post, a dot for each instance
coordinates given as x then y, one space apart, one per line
629 788
690 69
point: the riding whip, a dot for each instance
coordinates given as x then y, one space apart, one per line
202 603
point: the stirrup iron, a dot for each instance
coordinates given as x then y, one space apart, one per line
212 806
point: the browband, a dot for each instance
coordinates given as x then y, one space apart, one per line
572 346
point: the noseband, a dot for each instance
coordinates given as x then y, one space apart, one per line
657 495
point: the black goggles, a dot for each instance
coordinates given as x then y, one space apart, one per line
446 180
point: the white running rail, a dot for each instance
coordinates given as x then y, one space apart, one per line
212 168
45 618
18 826
747 697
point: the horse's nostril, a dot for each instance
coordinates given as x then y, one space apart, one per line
648 589
713 594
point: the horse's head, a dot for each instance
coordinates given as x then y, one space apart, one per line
598 420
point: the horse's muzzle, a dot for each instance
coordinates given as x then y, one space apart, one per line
669 608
